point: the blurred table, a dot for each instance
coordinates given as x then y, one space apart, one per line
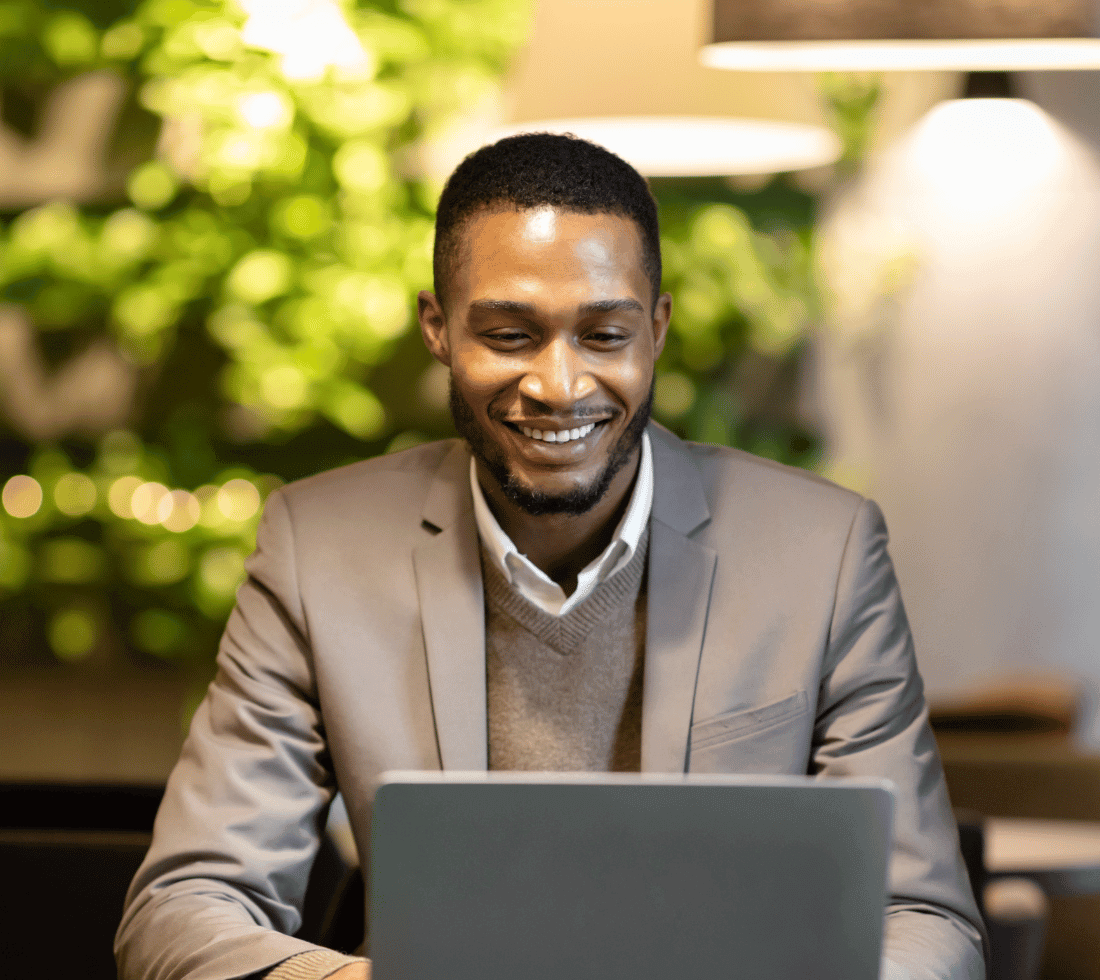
1061 856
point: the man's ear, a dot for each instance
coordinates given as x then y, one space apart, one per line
662 315
433 326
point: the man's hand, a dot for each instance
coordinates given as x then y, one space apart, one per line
353 971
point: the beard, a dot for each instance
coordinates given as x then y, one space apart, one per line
537 503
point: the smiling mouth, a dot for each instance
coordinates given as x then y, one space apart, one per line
561 435
557 436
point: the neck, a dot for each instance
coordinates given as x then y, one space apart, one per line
561 545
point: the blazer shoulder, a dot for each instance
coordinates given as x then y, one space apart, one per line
742 486
396 482
724 462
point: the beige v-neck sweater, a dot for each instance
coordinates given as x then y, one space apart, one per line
565 692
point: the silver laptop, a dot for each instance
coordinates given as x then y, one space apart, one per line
573 876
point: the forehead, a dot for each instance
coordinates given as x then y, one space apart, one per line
554 247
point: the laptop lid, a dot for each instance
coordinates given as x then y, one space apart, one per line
544 876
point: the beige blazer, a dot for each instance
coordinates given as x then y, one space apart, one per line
776 643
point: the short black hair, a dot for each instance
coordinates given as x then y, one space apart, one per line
534 170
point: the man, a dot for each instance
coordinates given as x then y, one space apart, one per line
569 587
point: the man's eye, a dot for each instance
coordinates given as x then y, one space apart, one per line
607 338
507 338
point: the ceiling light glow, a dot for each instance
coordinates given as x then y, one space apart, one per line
311 35
978 153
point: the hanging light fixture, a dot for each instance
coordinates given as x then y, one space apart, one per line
698 146
646 97
892 35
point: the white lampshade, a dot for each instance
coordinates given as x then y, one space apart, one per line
698 146
626 74
889 35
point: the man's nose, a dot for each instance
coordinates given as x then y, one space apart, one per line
558 377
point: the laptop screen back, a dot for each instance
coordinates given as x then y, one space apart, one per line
510 876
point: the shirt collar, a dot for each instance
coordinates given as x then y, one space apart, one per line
532 582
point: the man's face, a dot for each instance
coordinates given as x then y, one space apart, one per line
551 335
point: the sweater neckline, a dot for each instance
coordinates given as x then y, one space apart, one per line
565 633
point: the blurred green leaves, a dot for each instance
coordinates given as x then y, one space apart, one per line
257 269
851 99
738 265
273 198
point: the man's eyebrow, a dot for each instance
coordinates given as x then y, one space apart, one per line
596 307
502 306
611 306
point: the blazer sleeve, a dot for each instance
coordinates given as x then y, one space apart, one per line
872 720
219 893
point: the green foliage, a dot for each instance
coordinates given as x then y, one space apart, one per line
739 270
260 279
851 99
256 268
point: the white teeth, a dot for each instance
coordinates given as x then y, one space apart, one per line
565 435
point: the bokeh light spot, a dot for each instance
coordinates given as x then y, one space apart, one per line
239 500
163 563
70 39
720 229
22 496
284 386
146 500
303 217
222 571
128 234
387 307
43 229
74 494
73 633
311 36
152 185
357 411
218 39
122 41
265 110
178 511
361 166
260 276
143 312
120 495
673 394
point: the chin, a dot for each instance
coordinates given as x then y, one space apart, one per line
538 502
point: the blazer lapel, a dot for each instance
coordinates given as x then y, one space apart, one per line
452 610
681 573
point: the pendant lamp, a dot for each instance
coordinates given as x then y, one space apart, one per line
888 35
698 146
625 74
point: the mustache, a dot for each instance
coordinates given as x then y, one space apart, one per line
577 415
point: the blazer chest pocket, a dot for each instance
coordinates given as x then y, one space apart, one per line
770 738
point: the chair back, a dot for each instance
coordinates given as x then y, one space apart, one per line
67 856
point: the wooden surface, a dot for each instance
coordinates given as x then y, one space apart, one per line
72 725
1062 856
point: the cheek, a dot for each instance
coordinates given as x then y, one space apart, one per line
632 381
479 380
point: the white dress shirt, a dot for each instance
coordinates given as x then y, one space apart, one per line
533 583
